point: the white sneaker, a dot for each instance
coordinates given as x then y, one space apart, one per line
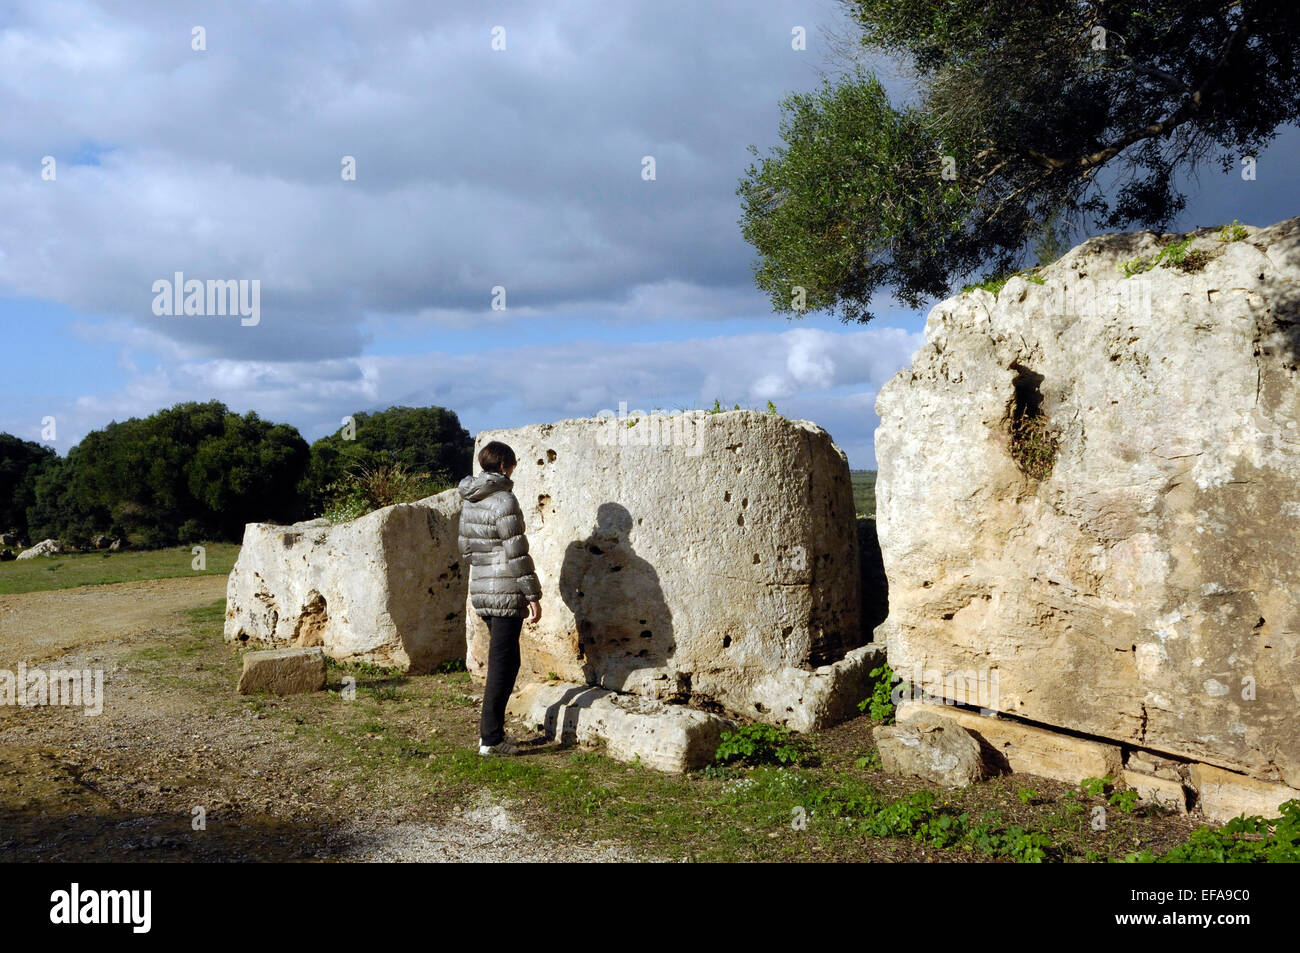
504 749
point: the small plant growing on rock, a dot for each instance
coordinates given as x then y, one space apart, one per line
1034 446
1232 233
880 703
371 488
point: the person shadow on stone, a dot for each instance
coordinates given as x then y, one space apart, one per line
625 629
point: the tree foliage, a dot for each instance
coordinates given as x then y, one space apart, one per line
1020 104
199 471
427 440
21 462
186 473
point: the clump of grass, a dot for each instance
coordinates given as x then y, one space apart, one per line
367 489
1177 254
1034 445
996 282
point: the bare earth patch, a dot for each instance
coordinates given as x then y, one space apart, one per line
35 626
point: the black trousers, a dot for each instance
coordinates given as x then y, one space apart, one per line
502 668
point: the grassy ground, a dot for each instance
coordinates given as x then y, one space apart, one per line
281 777
864 491
90 569
409 741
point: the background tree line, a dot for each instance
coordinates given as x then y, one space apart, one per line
199 471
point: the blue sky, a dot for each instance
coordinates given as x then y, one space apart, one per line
475 168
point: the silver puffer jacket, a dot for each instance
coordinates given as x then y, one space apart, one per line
502 579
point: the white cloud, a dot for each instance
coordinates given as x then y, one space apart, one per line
512 387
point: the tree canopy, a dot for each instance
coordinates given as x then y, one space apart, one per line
423 439
1019 106
21 462
190 472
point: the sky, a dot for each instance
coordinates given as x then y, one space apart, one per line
475 168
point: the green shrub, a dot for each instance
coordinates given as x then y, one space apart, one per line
367 489
761 744
880 704
1243 840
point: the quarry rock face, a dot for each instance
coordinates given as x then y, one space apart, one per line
387 588
702 558
1089 495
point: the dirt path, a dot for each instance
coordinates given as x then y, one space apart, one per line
35 626
126 784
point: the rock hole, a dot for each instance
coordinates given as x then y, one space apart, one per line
1260 623
756 559
726 641
646 634
1033 443
740 520
310 627
550 456
726 497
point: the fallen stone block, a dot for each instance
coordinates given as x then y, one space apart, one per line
46 547
1156 790
803 700
1027 749
932 748
666 737
1222 795
387 588
283 671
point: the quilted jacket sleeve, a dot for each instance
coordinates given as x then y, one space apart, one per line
510 528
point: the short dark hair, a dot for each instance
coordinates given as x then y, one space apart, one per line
496 456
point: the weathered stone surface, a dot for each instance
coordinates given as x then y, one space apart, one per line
1222 795
1145 589
1025 748
1155 790
932 748
714 561
283 671
46 547
387 588
666 737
